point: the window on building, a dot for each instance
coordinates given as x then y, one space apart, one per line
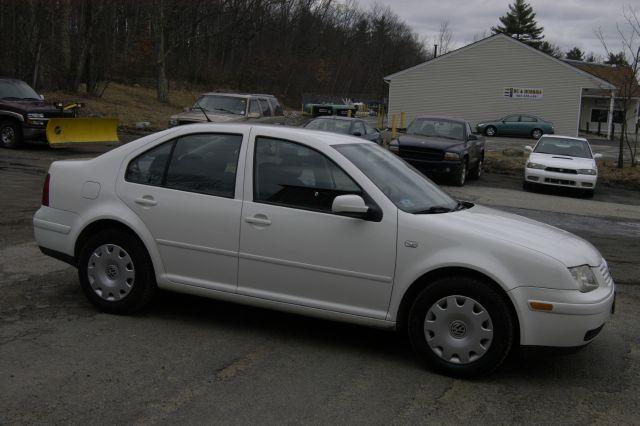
600 116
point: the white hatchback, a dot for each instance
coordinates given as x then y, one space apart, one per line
325 225
561 161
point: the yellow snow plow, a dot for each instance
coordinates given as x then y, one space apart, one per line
81 129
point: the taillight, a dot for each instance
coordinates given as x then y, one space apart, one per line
45 190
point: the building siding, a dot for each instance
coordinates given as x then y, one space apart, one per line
470 83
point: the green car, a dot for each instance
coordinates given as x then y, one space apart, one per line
516 125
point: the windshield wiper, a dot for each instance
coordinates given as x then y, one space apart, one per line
227 110
435 209
12 98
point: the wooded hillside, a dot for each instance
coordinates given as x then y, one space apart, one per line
285 47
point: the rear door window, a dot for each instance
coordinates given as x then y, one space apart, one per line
264 106
528 119
148 168
276 107
254 107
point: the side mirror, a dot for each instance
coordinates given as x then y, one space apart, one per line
528 148
349 205
597 156
253 115
41 97
472 137
356 133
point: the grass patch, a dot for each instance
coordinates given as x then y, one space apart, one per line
130 104
512 163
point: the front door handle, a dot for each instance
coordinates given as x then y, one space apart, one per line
146 201
258 219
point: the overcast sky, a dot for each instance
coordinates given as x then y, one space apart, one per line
566 23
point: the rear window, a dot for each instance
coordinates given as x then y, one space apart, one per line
275 105
330 125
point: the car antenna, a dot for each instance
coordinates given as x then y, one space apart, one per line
205 113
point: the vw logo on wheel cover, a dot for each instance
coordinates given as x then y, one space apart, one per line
458 329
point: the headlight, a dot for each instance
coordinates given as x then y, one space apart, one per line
531 165
173 122
587 172
451 156
35 115
480 125
584 277
394 147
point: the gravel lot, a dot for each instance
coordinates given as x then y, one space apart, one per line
202 361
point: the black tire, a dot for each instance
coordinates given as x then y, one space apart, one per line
501 322
476 172
460 177
527 186
143 285
588 193
536 133
490 131
10 134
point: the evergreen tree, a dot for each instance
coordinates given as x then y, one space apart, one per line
520 23
576 54
617 59
550 49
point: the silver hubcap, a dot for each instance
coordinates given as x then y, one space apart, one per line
537 134
110 272
458 329
490 131
7 135
463 173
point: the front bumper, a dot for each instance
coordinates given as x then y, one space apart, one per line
436 167
575 320
31 133
566 180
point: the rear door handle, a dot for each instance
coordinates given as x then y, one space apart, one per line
146 201
258 220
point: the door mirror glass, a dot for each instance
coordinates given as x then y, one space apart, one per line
349 205
254 115
357 133
528 148
597 156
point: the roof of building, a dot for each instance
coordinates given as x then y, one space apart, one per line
619 76
606 84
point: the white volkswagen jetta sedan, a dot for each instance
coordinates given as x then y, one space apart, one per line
561 161
325 225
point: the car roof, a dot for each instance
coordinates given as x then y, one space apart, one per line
239 95
564 137
440 117
11 80
319 136
336 117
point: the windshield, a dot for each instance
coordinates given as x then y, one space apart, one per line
565 147
223 104
436 128
17 90
406 187
330 125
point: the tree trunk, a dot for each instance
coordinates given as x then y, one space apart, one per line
162 84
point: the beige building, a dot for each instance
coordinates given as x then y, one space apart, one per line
497 76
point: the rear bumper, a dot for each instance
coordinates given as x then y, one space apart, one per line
54 233
566 180
572 322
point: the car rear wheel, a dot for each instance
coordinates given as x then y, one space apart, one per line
490 131
461 326
10 134
536 133
115 272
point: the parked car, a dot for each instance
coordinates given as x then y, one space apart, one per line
516 125
347 126
442 146
562 161
231 107
325 225
24 114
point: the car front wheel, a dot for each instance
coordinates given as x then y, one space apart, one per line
536 133
476 172
115 272
490 131
461 326
461 175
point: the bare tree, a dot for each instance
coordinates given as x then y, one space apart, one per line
627 80
445 37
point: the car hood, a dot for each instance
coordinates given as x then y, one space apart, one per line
561 161
199 117
30 106
428 142
554 242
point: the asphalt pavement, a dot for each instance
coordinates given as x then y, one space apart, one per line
193 361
